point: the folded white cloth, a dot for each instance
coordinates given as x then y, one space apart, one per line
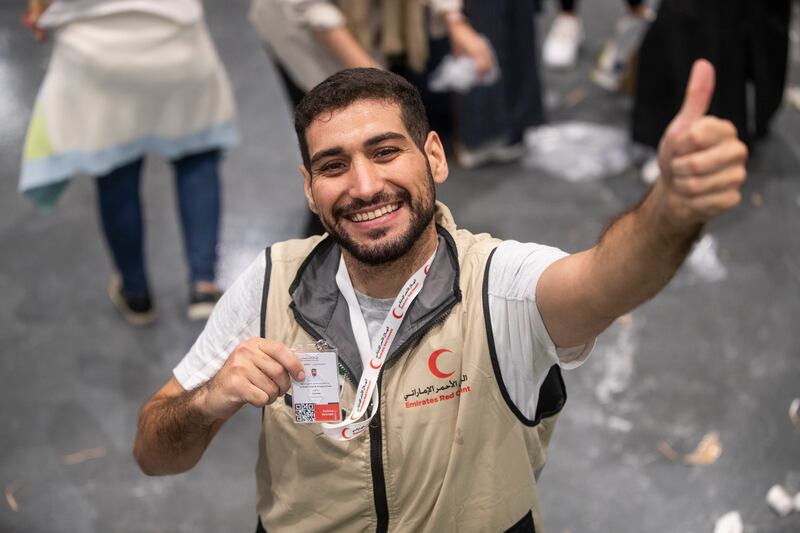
118 87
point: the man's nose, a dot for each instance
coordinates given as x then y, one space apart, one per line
366 180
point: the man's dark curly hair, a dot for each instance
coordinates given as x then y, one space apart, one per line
347 87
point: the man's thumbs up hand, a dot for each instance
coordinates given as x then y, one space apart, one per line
701 159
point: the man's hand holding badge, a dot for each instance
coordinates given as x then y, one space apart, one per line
258 372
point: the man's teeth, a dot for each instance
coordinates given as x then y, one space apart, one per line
369 215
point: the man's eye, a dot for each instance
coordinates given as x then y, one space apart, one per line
332 167
387 152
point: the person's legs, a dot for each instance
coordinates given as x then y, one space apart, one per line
294 92
496 116
121 219
198 187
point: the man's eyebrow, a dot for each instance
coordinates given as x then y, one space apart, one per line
372 141
389 135
329 152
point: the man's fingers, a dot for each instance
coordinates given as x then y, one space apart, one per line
701 135
257 396
711 160
263 381
284 356
710 205
695 186
274 371
699 91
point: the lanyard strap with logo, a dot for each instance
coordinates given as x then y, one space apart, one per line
375 353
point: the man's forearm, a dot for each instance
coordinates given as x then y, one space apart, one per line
344 47
702 164
172 434
635 258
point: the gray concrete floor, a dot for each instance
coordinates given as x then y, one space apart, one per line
702 356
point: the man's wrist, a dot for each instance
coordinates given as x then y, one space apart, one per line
198 405
661 216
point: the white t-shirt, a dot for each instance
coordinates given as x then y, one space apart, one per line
524 349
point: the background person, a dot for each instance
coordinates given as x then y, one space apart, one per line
748 42
128 78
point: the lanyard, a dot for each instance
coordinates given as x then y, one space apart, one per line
376 353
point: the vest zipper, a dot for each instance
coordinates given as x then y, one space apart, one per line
376 467
435 321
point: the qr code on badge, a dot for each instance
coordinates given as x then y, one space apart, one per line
304 412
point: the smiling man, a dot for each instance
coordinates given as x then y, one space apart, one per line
450 343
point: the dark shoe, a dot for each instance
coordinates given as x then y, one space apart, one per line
136 310
201 303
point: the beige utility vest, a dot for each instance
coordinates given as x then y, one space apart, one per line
448 451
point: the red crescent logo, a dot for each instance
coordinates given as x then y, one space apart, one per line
344 434
435 369
373 365
394 314
427 267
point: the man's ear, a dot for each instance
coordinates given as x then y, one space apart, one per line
436 158
307 190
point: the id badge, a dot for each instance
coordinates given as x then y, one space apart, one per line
316 398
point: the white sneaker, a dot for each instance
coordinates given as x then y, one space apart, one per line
614 62
560 49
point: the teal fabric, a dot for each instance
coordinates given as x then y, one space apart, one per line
44 180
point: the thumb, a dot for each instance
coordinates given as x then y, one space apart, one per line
699 91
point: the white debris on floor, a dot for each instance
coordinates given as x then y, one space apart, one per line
704 260
618 368
779 500
794 412
619 424
730 522
578 151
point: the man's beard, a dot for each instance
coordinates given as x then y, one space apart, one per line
422 212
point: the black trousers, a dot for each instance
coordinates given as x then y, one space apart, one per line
569 5
747 41
504 110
